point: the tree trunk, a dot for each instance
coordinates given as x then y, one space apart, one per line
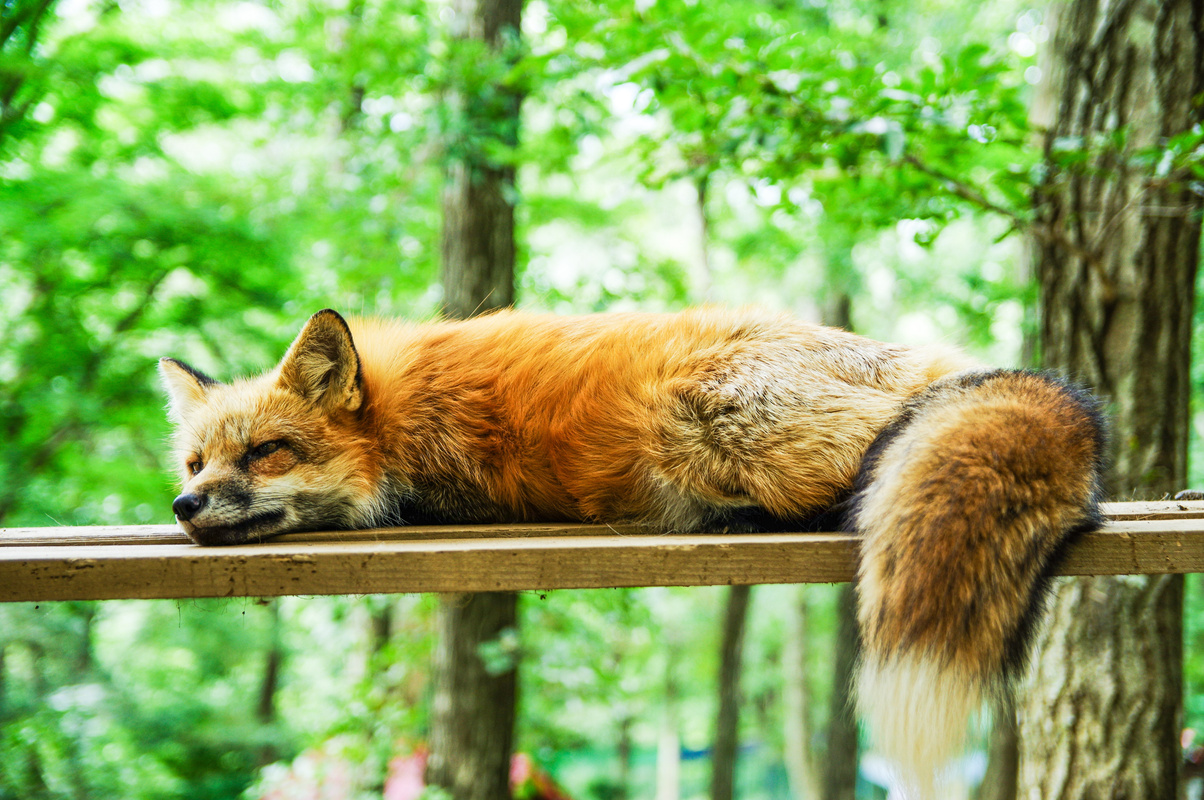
705 278
344 41
727 723
1117 249
478 240
479 193
273 661
1003 758
837 311
472 723
269 682
1100 717
623 777
840 766
801 765
380 629
839 774
85 657
668 740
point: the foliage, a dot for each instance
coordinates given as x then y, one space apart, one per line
84 715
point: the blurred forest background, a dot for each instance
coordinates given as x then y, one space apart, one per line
194 177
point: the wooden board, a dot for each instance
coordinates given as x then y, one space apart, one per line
156 561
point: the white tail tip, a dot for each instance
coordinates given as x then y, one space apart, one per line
917 712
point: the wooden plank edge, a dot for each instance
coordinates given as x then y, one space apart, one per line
541 563
160 571
1153 509
83 536
1165 510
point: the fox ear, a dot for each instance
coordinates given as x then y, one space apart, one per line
322 365
186 387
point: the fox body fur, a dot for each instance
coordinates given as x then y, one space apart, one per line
964 483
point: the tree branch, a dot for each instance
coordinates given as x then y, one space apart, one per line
13 23
970 194
967 192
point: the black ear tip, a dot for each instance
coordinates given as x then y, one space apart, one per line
329 312
329 322
197 375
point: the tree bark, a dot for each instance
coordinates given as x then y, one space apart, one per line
840 765
1116 263
472 723
727 722
1101 714
273 662
839 774
625 746
478 240
1003 758
269 682
668 741
479 193
705 278
380 628
802 766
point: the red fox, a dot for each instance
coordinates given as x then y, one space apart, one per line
965 483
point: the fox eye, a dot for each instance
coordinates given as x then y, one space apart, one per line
265 449
195 467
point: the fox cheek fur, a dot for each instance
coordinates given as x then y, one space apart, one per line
274 454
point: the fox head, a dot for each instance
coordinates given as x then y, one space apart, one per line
281 452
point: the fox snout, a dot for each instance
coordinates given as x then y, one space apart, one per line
223 514
187 506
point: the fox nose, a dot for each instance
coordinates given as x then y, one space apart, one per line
186 506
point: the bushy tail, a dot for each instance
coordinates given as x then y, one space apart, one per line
964 502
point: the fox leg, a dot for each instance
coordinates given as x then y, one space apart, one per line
965 503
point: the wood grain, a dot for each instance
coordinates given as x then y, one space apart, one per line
156 561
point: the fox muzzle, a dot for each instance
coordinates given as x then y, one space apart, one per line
187 506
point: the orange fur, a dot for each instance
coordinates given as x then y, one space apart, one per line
647 418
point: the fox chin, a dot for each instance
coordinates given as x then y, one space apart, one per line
964 483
